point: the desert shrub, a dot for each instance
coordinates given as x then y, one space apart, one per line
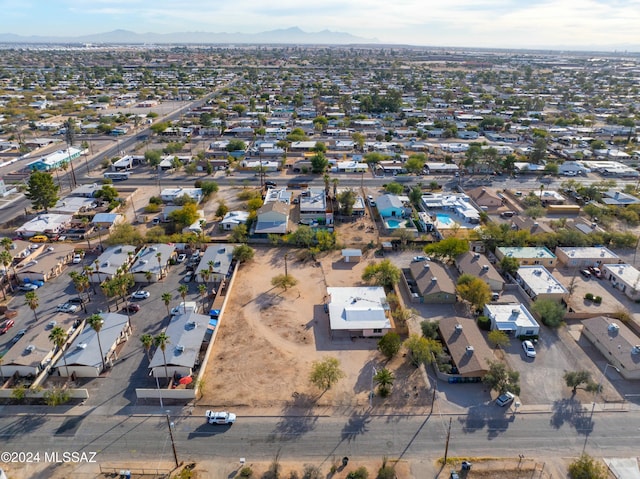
360 473
246 471
597 299
588 297
484 323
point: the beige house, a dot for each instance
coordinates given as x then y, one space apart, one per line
575 257
485 198
47 265
433 282
528 255
467 347
273 218
478 265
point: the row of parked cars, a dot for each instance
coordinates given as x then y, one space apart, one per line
591 271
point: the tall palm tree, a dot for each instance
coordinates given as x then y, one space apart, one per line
148 275
97 268
147 342
202 289
96 322
58 337
166 299
160 341
204 274
81 283
183 290
7 243
159 258
6 259
32 301
88 270
335 182
384 379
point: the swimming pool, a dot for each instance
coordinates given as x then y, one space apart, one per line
393 224
444 219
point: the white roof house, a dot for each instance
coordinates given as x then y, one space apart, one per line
147 261
277 194
362 310
186 332
538 282
110 261
72 205
233 219
581 257
171 194
512 318
624 277
44 224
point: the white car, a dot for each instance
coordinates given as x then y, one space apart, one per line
529 350
28 287
140 294
77 258
67 308
181 257
505 399
220 417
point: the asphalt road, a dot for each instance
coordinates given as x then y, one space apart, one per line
313 438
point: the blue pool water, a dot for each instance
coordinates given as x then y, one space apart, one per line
393 224
444 219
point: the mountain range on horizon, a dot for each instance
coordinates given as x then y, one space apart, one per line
293 35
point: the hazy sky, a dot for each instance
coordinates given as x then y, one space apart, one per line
580 24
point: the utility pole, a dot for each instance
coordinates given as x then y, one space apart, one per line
285 265
173 444
446 444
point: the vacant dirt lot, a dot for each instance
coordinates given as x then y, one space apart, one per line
269 339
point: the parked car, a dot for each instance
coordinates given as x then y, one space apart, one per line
417 259
155 221
132 308
181 257
270 184
188 277
529 350
77 258
6 325
39 239
595 271
141 294
28 287
67 308
77 300
505 399
18 335
220 417
586 273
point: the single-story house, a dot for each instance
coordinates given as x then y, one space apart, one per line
147 268
433 282
539 283
273 218
72 205
528 255
467 347
171 194
55 160
360 311
108 220
44 224
583 257
478 265
390 206
512 318
233 219
313 206
110 261
618 344
485 198
215 263
352 255
186 333
83 357
624 277
524 223
47 265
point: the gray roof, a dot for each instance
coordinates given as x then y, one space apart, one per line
185 332
221 255
147 260
113 258
388 201
84 351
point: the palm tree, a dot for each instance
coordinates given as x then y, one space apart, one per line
58 337
97 268
160 341
202 289
166 299
204 274
81 283
88 271
32 301
159 258
183 290
384 379
335 182
148 275
211 265
7 243
96 322
6 259
147 342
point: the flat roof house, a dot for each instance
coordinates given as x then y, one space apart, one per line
478 265
83 359
47 224
55 160
110 261
361 311
273 218
233 219
147 268
313 206
467 347
433 282
512 318
539 283
47 265
216 262
583 257
186 333
171 194
624 277
528 255
618 344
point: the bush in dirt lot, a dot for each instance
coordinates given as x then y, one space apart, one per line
588 297
246 472
360 473
597 299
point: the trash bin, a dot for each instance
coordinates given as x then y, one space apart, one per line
345 461
466 466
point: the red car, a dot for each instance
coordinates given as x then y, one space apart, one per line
133 308
6 325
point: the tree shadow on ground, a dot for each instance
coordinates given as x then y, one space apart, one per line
486 415
297 418
357 425
572 412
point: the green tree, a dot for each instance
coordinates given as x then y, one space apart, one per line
95 321
147 342
390 344
107 194
236 145
185 216
160 341
421 349
448 248
501 379
473 290
222 209
394 188
509 265
498 338
586 467
384 379
346 200
32 301
326 373
430 329
239 234
243 253
124 233
319 162
284 281
209 188
153 157
7 260
42 191
58 337
551 312
575 379
384 273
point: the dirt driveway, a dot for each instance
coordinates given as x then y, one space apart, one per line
269 339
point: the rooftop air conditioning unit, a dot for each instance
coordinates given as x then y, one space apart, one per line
485 267
180 348
469 349
613 328
515 311
635 349
434 279
29 349
458 328
476 255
